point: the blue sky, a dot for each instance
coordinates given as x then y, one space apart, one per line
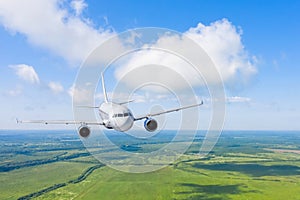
269 33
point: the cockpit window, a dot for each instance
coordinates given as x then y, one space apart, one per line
122 115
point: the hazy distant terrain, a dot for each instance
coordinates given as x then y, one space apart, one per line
243 165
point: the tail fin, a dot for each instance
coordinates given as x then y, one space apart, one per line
103 88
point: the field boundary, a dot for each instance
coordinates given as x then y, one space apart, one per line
80 178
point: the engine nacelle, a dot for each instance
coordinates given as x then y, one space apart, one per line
84 131
150 125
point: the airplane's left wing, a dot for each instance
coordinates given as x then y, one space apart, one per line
60 122
167 111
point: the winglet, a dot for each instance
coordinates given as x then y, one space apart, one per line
103 88
201 103
18 121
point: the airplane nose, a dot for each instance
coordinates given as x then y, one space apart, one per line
124 124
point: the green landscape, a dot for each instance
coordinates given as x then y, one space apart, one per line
243 165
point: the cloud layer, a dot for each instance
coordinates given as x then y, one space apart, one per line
55 87
59 27
27 73
78 6
220 40
238 99
51 25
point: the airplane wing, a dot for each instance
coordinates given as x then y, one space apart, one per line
167 111
59 122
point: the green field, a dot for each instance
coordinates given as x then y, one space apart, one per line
216 179
241 166
20 182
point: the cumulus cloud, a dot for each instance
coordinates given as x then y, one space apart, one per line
15 92
51 25
55 87
238 99
222 42
80 95
135 97
26 73
121 97
78 6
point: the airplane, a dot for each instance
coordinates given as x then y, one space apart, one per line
115 116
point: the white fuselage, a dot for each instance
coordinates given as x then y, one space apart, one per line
116 116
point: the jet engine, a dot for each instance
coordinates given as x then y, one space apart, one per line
150 124
84 131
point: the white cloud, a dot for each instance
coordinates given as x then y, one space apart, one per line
121 97
222 42
78 6
15 92
237 99
49 24
71 91
55 87
141 97
26 73
80 95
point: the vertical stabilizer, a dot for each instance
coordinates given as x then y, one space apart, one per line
103 88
